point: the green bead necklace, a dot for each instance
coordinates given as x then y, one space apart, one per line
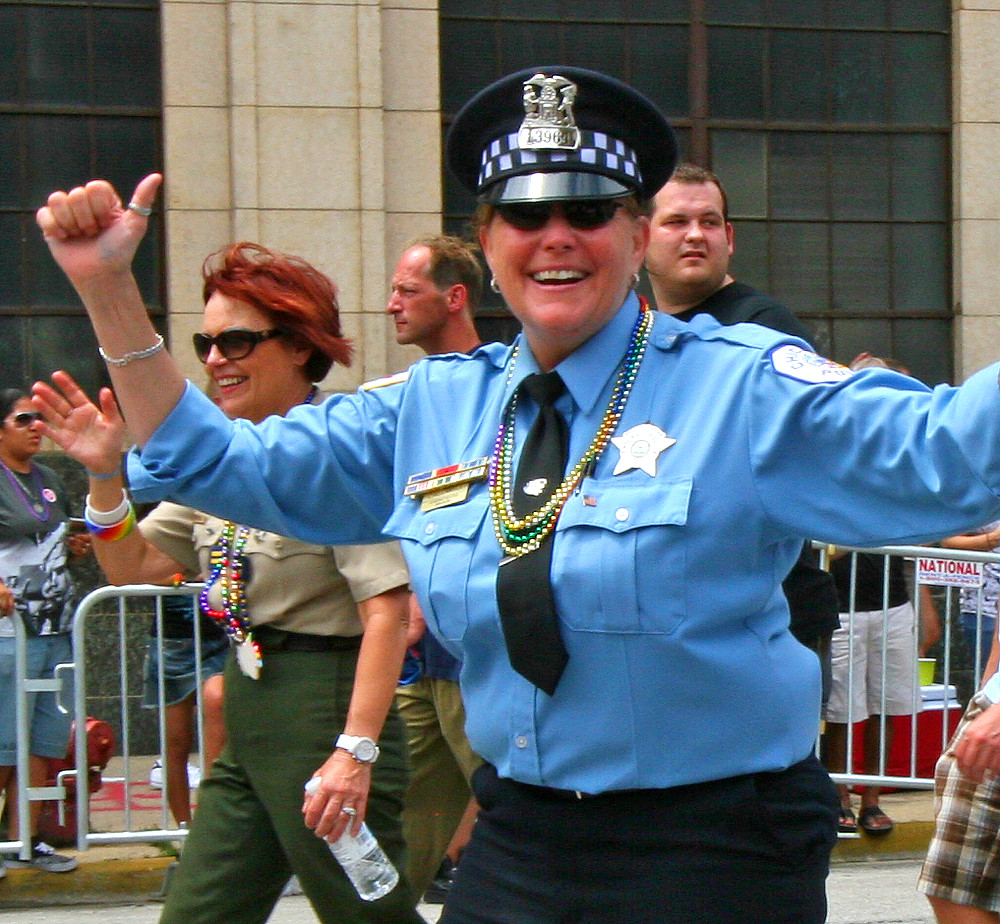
521 536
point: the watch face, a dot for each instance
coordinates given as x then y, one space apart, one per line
365 750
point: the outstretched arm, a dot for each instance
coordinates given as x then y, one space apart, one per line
93 237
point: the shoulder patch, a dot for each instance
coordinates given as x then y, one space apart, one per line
805 366
396 379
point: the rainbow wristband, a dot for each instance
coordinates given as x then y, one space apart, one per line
113 531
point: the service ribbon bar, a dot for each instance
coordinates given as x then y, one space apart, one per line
459 473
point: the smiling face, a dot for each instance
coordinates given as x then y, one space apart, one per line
690 246
270 380
561 283
19 444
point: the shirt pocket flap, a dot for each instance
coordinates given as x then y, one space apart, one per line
458 521
621 506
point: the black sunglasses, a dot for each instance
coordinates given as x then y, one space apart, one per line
235 343
25 419
582 214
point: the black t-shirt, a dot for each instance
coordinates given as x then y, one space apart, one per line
737 303
870 582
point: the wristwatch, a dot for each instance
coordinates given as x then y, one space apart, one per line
362 749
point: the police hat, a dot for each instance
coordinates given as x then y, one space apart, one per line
555 132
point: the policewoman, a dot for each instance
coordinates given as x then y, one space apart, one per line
604 547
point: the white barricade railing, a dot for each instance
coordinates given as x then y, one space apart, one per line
946 568
94 604
130 833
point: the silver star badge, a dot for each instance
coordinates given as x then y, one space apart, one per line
640 447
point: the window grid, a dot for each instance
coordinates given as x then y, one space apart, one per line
911 106
65 118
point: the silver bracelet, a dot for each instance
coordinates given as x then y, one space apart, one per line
132 357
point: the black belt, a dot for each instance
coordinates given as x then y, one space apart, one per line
271 640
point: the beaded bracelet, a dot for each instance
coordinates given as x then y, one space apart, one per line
110 525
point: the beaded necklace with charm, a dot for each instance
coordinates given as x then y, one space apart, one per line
228 567
227 564
519 536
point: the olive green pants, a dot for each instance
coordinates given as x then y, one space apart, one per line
441 764
248 835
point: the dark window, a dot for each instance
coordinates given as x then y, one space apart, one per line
828 121
67 116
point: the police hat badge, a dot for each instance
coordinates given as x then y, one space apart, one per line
558 132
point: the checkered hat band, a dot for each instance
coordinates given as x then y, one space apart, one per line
599 151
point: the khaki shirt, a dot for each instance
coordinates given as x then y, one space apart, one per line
291 585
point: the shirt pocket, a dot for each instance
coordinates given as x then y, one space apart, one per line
440 547
620 556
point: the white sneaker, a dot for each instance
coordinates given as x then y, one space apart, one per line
156 775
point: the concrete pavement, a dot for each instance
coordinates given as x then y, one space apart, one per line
135 872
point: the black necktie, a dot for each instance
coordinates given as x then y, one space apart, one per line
524 590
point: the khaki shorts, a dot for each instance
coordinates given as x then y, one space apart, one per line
857 678
963 860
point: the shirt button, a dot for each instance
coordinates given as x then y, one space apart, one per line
521 741
429 528
622 514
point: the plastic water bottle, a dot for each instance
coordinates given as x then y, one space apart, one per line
371 872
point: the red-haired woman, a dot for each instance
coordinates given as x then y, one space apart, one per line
318 633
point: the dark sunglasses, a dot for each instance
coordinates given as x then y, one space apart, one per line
582 214
25 419
235 343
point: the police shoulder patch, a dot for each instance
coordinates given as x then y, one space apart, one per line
396 379
805 366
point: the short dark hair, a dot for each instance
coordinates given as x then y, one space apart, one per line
693 174
8 398
453 262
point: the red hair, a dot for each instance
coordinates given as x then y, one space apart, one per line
297 297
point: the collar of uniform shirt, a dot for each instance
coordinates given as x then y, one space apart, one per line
605 350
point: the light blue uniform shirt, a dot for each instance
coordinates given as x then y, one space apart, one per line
668 585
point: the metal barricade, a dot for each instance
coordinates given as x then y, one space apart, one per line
23 687
115 605
130 832
947 571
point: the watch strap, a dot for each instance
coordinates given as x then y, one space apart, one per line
359 747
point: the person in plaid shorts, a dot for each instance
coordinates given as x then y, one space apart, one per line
961 873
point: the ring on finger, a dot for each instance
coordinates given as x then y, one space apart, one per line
348 810
143 210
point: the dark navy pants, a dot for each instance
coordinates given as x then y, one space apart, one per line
752 849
